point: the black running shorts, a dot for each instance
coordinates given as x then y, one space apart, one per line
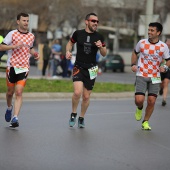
81 74
13 78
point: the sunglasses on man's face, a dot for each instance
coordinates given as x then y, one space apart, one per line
94 21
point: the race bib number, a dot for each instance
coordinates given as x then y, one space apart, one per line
20 70
156 80
93 72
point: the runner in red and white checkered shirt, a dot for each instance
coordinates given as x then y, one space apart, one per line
19 44
146 62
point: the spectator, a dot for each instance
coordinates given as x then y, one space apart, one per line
56 52
46 57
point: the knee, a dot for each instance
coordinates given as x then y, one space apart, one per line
86 98
18 93
77 94
10 93
151 103
138 102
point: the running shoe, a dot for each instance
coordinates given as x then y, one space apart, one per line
163 103
161 91
72 120
145 126
81 122
14 122
138 114
8 114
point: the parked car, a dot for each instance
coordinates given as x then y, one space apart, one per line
3 61
112 62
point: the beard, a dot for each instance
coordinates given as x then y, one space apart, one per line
91 28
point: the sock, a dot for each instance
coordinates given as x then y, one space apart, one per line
15 117
74 114
9 108
140 108
144 121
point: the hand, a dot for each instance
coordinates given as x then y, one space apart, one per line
36 55
163 68
134 68
98 44
68 55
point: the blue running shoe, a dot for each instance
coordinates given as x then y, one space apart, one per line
8 114
81 122
14 122
72 120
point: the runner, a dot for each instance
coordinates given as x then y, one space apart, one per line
20 45
165 77
147 67
89 41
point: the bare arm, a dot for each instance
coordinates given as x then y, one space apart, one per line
103 50
34 53
69 47
134 59
4 47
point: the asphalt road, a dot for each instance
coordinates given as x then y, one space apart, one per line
111 140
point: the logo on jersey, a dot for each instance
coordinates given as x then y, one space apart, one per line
87 46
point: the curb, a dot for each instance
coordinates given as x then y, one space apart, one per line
48 96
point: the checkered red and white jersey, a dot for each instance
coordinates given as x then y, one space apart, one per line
19 57
150 57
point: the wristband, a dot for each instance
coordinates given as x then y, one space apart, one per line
35 54
133 65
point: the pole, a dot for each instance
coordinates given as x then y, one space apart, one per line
149 15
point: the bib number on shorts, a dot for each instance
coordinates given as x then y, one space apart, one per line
156 80
20 70
93 72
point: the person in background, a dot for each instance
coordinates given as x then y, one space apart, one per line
46 57
165 77
147 67
89 41
19 44
56 52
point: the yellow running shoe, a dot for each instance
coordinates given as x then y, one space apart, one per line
138 114
145 125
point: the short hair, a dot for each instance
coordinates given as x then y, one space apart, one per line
158 26
88 15
22 15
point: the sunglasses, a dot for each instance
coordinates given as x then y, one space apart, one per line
93 20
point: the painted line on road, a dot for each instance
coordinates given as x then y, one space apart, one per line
116 113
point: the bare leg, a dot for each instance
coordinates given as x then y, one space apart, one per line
139 100
78 89
85 101
165 88
18 99
150 107
9 95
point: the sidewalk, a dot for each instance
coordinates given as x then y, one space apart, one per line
51 96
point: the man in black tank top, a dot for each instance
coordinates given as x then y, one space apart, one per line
88 41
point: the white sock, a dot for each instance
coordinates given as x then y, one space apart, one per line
10 108
15 116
